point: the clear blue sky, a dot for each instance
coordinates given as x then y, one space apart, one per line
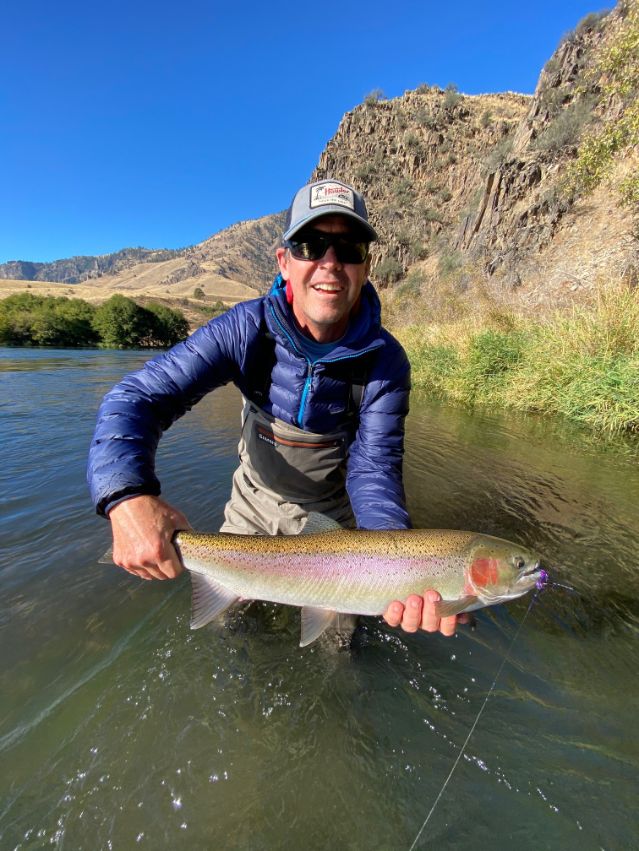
158 124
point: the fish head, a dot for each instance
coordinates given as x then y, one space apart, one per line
500 570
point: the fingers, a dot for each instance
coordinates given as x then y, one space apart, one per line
418 613
394 613
408 616
164 566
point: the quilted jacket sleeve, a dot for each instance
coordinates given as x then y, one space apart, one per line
374 479
135 413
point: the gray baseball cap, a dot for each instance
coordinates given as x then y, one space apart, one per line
325 198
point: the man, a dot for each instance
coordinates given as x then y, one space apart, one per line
326 393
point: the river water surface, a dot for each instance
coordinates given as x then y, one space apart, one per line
120 728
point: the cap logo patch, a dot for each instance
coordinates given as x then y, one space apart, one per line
332 193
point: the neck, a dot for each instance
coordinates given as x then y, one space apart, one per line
321 333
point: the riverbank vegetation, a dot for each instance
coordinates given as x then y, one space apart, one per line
582 364
32 320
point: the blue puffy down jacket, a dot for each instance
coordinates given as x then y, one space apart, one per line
314 397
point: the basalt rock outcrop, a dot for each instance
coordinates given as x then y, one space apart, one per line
475 185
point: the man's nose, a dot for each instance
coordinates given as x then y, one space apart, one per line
330 258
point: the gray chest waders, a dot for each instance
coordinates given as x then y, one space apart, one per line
284 474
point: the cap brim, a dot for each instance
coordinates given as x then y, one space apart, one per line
368 232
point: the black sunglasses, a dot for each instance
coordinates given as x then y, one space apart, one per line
313 246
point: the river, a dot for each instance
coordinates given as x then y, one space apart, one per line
121 728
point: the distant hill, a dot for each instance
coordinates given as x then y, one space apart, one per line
77 269
235 264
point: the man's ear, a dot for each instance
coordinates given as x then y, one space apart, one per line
282 261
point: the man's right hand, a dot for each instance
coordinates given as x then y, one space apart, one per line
143 528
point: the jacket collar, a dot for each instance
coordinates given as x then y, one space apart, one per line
362 334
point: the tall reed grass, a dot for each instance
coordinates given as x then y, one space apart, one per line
582 364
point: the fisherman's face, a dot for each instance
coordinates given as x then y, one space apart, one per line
325 290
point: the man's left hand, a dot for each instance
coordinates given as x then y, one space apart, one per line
419 613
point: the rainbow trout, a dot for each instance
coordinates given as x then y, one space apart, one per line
327 570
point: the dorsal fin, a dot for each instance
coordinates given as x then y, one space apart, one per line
317 522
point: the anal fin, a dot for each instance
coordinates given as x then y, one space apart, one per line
314 622
208 600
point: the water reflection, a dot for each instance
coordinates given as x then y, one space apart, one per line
119 727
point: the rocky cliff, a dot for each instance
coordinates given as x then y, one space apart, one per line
502 187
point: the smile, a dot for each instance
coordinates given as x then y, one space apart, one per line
327 288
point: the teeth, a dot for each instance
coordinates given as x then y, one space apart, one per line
327 288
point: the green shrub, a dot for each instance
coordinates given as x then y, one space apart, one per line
566 129
499 155
30 320
449 261
372 98
425 118
166 326
403 189
410 289
430 214
486 118
365 170
417 250
198 292
629 189
552 66
451 96
583 365
123 324
592 21
388 270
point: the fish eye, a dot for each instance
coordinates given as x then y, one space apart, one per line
520 562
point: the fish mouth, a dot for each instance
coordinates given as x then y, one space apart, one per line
537 573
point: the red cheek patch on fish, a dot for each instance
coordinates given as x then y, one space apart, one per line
484 571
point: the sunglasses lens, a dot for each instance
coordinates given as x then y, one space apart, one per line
315 247
312 249
351 252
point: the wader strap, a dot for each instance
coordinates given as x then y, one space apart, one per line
358 376
261 366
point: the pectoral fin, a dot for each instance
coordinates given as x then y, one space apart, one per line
445 608
208 600
314 622
107 558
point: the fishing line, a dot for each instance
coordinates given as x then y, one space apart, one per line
470 732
